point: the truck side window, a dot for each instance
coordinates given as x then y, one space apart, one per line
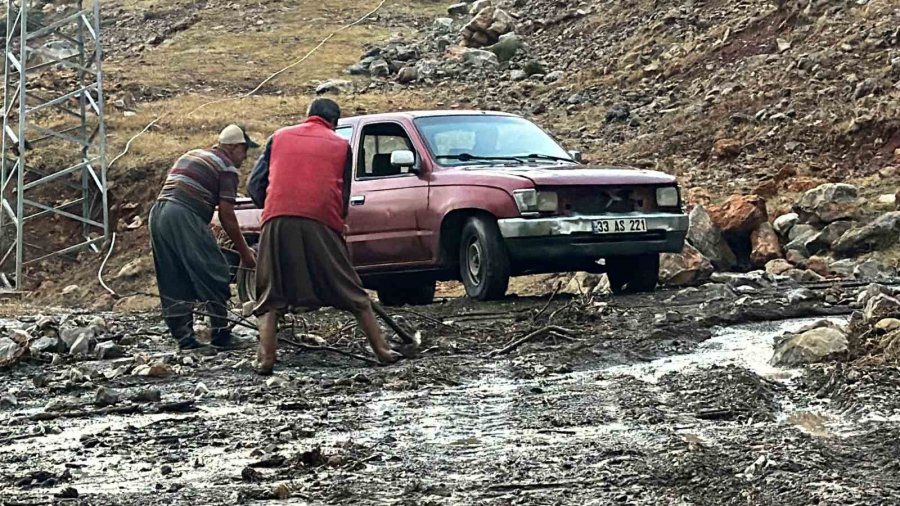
379 140
345 132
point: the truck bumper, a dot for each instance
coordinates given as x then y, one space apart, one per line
571 239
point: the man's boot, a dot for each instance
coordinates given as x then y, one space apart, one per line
221 333
180 321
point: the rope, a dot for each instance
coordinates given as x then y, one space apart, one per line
254 90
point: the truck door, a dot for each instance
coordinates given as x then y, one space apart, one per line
386 202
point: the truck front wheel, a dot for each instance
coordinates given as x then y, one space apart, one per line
483 260
633 274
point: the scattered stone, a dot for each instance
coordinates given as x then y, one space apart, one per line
379 68
106 397
888 325
740 214
843 268
882 233
872 291
165 470
828 203
155 370
507 47
281 491
81 346
555 76
824 240
8 348
200 390
819 265
618 112
800 295
8 400
765 245
881 306
71 289
458 9
727 148
534 68
873 270
149 395
707 239
67 493
480 58
132 269
823 342
108 350
804 276
690 266
785 222
778 266
335 86
442 26
407 75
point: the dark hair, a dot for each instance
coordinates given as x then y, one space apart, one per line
326 109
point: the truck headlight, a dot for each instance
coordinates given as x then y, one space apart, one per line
667 197
533 201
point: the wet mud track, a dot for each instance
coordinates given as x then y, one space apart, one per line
657 399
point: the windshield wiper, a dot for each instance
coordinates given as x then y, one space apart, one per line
466 157
550 157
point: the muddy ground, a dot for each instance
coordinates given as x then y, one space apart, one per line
665 398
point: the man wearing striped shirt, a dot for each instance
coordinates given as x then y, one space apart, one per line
190 267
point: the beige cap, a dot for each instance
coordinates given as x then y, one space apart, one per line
233 134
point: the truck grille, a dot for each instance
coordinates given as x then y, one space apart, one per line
596 200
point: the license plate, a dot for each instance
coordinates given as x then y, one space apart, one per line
623 226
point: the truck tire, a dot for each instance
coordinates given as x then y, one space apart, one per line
415 292
633 274
483 260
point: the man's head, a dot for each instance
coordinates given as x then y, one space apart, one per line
235 142
326 109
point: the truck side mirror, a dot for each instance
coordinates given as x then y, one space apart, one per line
403 158
576 155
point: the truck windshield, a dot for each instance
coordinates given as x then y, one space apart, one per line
470 140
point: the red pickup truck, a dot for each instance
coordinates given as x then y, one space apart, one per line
481 196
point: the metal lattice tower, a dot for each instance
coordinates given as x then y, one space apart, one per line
54 137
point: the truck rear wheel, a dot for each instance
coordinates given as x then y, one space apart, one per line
483 260
633 274
415 292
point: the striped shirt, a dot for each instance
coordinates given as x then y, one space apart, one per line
200 180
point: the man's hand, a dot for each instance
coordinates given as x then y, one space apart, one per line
229 222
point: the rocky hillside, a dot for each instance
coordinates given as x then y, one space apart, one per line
733 96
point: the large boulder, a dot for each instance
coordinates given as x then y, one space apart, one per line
480 58
824 240
881 306
707 239
507 47
828 203
821 342
690 266
740 214
873 270
764 245
882 233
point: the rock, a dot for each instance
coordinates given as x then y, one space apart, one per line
800 295
690 266
71 289
379 68
82 345
106 397
804 276
785 222
71 334
108 350
442 26
778 266
828 203
843 268
407 75
888 325
282 491
707 239
865 88
881 306
518 75
458 9
8 401
765 245
880 234
740 214
799 242
872 291
824 240
727 148
200 390
533 68
148 395
756 279
819 265
155 370
889 200
165 470
131 269
873 270
67 493
358 69
555 76
766 189
480 58
618 112
335 86
824 342
802 231
46 345
507 47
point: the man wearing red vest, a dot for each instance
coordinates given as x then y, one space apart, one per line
302 184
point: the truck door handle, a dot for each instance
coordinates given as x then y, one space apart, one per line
357 200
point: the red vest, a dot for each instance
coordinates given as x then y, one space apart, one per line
306 174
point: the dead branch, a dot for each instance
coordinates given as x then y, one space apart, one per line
534 335
549 301
330 349
404 335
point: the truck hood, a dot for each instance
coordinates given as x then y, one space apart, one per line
565 175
